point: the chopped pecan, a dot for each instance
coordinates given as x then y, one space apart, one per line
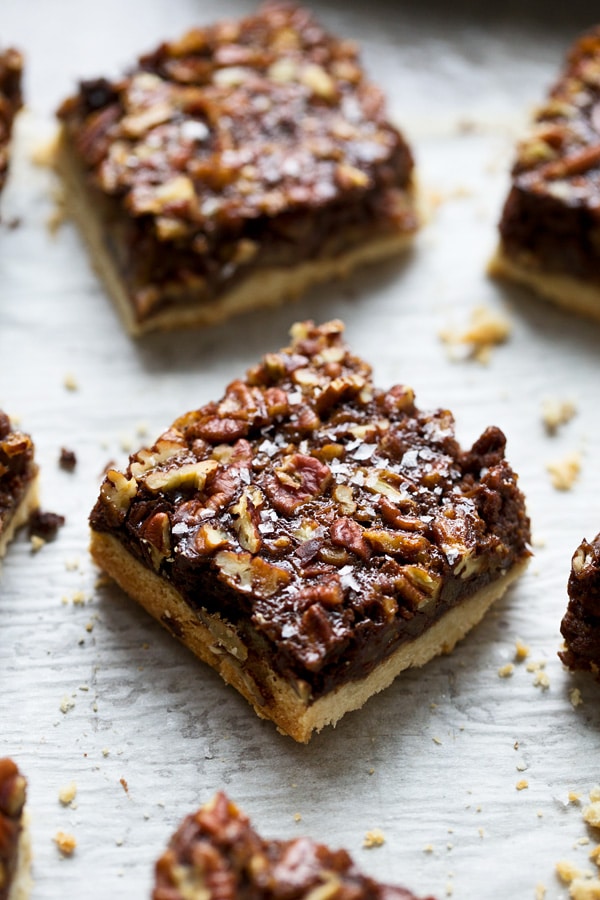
338 391
251 574
117 493
208 539
156 531
395 542
299 479
247 519
188 475
347 533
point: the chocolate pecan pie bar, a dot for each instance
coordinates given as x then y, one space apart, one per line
217 853
233 168
310 536
18 481
11 65
581 624
14 845
550 226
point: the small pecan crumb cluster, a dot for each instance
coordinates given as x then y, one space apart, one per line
216 852
581 624
17 468
11 65
12 800
327 515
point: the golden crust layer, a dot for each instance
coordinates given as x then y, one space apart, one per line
221 646
572 294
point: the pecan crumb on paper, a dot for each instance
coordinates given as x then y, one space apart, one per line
564 472
66 843
374 838
557 412
487 329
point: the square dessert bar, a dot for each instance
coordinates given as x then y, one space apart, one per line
233 168
11 65
217 852
580 626
310 536
18 481
550 226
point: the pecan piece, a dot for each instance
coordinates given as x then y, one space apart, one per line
298 480
251 574
117 493
156 532
192 475
347 533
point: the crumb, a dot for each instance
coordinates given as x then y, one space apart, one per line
297 817
542 681
585 889
557 412
66 843
595 793
371 771
449 889
574 797
105 752
71 565
70 382
537 541
567 871
540 814
536 666
66 704
516 745
521 767
565 471
449 846
521 650
436 740
126 444
595 854
36 543
575 697
540 891
428 848
481 832
78 598
522 785
67 793
141 429
89 627
67 459
506 671
487 329
591 814
44 525
373 838
124 785
582 842
44 154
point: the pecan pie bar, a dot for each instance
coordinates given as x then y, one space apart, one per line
14 844
310 536
18 481
217 853
550 226
581 624
11 65
233 168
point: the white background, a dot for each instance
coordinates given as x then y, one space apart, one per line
461 85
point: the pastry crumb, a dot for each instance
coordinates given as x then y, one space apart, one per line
591 814
506 671
66 843
567 871
67 793
522 650
540 891
595 854
297 817
575 697
557 412
564 472
585 889
574 797
595 793
541 680
78 598
428 848
436 740
70 382
66 704
37 543
522 785
486 330
374 838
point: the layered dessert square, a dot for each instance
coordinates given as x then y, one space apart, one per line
309 535
550 226
15 882
18 481
11 100
580 626
217 852
233 168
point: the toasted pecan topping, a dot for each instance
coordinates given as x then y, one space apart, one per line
351 525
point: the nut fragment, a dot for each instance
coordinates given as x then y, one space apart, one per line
251 574
190 475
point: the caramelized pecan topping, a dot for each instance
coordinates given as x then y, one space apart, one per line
338 542
217 853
